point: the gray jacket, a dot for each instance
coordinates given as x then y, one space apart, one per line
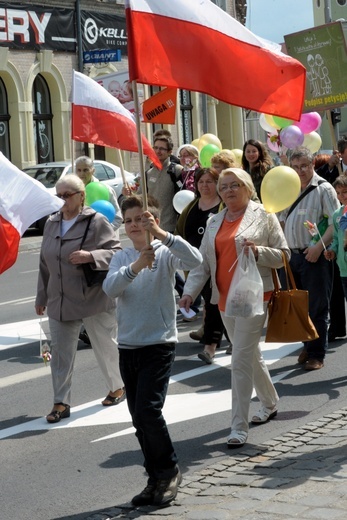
62 287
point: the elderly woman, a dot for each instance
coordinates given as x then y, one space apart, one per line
191 226
189 159
62 288
242 224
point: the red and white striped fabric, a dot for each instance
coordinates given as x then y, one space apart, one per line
23 200
99 118
195 45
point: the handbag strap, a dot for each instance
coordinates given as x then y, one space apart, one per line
302 195
289 275
86 230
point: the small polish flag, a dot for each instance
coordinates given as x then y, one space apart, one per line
100 118
23 200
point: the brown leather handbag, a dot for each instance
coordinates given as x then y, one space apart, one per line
288 317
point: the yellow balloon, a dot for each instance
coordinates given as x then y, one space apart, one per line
312 141
195 143
238 155
280 188
209 139
270 121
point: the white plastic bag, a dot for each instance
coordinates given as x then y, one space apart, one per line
246 293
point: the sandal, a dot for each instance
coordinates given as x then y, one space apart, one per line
56 415
236 439
206 357
264 415
113 401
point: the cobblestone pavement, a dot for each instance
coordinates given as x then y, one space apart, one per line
301 474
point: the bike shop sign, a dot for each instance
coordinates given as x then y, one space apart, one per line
104 37
36 27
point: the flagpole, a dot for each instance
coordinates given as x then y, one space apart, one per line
121 165
139 144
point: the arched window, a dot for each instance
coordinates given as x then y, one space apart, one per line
42 121
4 122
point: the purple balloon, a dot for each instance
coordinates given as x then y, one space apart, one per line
309 122
292 136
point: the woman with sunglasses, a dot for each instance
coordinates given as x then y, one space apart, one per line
63 291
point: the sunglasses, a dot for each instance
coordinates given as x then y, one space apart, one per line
66 196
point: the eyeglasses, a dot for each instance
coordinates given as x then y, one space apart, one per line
66 196
302 168
234 186
160 149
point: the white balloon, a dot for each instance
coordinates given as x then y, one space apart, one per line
265 125
182 199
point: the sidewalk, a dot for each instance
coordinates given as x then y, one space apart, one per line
302 474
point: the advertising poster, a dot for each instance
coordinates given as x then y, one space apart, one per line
322 50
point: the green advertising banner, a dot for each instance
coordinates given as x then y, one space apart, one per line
322 50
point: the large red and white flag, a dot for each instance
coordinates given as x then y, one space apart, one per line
23 200
99 118
195 45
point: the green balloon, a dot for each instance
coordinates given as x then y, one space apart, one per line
282 122
206 154
96 191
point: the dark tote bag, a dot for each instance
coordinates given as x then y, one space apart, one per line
288 318
92 276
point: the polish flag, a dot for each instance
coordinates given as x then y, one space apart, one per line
23 200
195 45
100 118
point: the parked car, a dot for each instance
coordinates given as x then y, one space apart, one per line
49 173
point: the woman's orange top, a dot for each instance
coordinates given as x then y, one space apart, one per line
226 257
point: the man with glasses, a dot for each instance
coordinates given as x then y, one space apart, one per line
312 272
160 184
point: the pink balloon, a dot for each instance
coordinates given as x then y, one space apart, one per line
292 136
309 122
272 145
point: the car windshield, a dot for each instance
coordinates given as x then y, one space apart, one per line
48 175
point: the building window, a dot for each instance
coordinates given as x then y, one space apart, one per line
220 3
42 120
186 116
4 122
342 2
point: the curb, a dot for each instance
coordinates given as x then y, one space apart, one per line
258 480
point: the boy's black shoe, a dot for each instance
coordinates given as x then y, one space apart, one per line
146 497
166 490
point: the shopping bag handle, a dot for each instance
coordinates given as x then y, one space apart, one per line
289 275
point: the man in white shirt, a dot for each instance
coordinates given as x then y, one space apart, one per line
311 271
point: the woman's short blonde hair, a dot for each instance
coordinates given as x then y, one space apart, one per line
71 181
242 176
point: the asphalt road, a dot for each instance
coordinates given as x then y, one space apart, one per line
92 460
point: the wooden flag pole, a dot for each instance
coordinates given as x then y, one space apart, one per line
121 165
140 147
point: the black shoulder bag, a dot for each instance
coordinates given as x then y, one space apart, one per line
92 276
